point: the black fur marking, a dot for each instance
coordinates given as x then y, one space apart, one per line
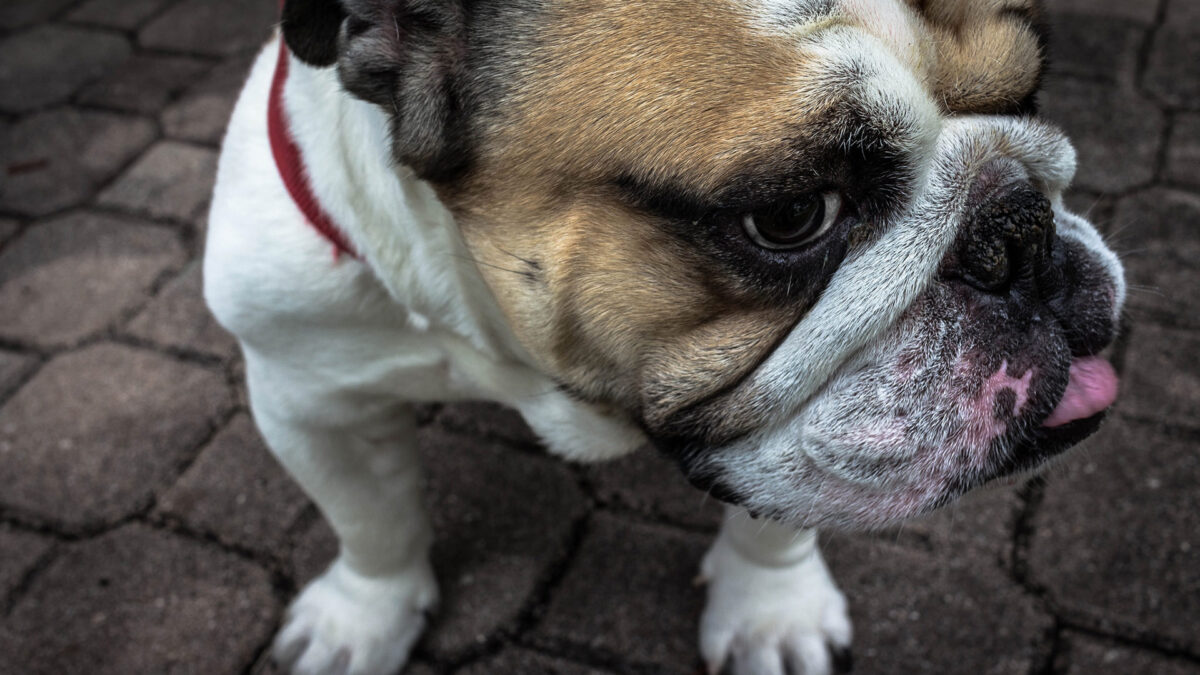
310 29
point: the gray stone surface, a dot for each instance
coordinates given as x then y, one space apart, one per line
1169 71
192 609
1158 232
652 484
96 432
56 159
8 230
526 662
316 546
172 180
1116 132
201 113
237 492
1095 47
1117 540
955 613
1160 382
70 278
124 14
980 524
629 594
1142 12
503 521
488 420
19 552
1183 150
144 83
1088 656
177 317
45 65
212 27
13 368
20 13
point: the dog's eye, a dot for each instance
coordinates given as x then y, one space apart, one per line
793 224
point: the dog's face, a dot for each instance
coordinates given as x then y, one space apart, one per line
815 248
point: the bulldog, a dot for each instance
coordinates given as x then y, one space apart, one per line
815 251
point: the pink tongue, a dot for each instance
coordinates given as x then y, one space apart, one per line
1092 387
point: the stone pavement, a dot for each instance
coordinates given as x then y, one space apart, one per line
143 527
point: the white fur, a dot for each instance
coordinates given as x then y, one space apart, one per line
337 348
772 604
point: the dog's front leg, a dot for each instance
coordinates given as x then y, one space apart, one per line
773 608
356 457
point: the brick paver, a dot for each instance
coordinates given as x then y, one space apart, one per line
145 528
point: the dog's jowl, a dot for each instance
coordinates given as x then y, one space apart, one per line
813 250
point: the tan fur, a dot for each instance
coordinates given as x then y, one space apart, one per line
619 309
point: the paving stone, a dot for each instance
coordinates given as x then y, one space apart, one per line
19 552
980 524
1094 47
1143 11
20 13
144 83
141 601
13 367
1116 132
517 661
8 229
71 277
1183 150
213 27
650 483
45 65
1161 381
56 159
237 491
1160 229
203 112
1090 656
172 180
629 593
97 432
503 520
177 317
1116 538
122 14
1170 74
487 420
316 547
915 613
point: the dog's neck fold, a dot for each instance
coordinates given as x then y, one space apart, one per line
394 219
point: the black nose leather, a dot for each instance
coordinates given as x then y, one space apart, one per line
1007 238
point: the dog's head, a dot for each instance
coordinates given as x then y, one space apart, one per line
815 248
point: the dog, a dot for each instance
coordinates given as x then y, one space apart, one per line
815 251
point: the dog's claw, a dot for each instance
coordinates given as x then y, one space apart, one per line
843 660
346 624
772 620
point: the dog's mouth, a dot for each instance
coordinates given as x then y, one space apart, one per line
1091 389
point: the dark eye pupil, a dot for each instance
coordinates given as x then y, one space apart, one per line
792 222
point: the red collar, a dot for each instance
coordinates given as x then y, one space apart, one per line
291 164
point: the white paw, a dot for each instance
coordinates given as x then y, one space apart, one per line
771 620
345 623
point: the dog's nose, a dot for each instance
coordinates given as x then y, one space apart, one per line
1007 236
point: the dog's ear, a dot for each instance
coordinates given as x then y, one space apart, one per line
310 28
410 58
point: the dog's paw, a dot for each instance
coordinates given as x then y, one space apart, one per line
345 623
772 620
